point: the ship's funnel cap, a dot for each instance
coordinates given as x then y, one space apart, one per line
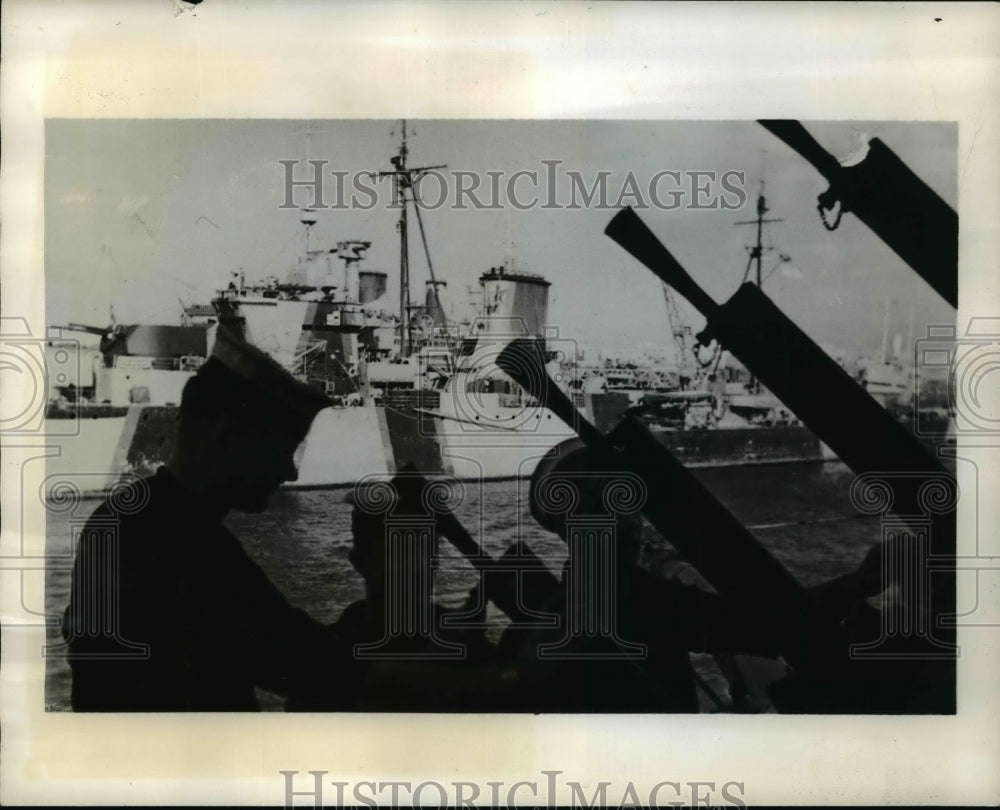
261 378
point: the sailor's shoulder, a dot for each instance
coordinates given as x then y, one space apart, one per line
144 513
125 501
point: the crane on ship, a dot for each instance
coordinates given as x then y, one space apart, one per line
685 347
679 330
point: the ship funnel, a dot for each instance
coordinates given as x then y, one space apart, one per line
432 302
514 303
371 285
352 252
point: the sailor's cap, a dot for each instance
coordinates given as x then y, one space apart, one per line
571 464
265 377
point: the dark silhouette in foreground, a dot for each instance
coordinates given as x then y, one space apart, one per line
167 612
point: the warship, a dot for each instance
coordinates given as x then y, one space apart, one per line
709 410
704 406
408 386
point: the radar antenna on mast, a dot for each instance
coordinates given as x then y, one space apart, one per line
757 250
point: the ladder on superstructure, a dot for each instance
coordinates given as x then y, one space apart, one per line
302 361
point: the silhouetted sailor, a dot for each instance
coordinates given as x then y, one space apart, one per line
613 650
167 611
901 667
401 636
398 619
625 633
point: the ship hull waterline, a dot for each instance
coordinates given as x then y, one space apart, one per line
347 444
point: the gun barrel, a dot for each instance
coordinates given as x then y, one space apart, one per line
632 234
91 330
722 549
687 514
862 433
798 137
885 194
498 583
503 577
859 430
524 361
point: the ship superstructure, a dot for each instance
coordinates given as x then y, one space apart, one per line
323 322
705 406
410 386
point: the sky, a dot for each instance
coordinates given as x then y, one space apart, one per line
142 213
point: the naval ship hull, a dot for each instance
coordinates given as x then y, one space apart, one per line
344 445
717 446
724 447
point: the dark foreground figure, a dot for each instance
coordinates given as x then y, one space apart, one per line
624 629
167 612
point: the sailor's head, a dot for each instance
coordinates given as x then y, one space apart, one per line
367 534
243 421
569 484
373 503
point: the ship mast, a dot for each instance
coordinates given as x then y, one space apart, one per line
404 177
757 252
308 220
308 214
404 248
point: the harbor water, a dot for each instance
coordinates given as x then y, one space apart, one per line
800 512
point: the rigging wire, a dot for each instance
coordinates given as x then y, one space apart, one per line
423 235
746 273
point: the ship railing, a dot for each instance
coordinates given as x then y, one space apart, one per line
514 399
301 360
128 362
445 369
439 345
412 399
439 342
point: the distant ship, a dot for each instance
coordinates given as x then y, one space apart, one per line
710 411
707 409
409 386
